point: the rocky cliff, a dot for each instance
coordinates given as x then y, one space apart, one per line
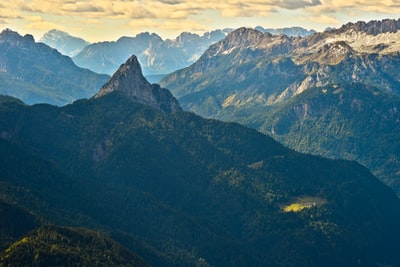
129 80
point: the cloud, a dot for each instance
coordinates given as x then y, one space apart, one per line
11 9
324 19
157 8
166 25
183 9
171 2
82 7
37 23
337 12
94 21
295 4
188 15
348 6
34 18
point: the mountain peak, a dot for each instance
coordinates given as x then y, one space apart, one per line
65 43
239 38
129 80
373 27
9 32
13 36
245 35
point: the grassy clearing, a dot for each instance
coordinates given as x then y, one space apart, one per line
302 203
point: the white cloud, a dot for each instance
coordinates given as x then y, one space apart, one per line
165 25
180 9
187 15
375 6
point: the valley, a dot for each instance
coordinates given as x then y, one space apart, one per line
263 149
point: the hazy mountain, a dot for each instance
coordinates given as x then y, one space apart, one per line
374 27
289 31
37 73
181 190
157 56
65 43
334 93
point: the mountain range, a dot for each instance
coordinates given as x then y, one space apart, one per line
158 57
334 93
289 31
36 73
178 189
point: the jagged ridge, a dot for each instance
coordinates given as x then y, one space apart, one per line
248 75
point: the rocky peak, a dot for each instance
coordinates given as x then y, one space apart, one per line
129 80
364 37
55 34
186 37
331 53
373 27
291 32
8 33
252 40
243 37
11 36
146 37
64 42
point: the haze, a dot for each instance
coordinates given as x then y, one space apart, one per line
102 20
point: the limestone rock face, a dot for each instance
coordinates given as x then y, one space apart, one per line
129 80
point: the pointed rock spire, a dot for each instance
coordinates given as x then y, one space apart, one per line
129 80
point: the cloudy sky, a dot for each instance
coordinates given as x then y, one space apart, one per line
100 20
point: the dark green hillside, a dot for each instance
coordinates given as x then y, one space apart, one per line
183 190
354 121
269 83
60 246
37 73
38 185
15 222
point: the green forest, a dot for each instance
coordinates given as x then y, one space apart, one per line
179 190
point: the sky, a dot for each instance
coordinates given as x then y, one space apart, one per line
104 20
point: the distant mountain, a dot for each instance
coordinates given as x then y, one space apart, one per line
335 93
181 190
36 73
290 31
157 56
373 27
65 43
